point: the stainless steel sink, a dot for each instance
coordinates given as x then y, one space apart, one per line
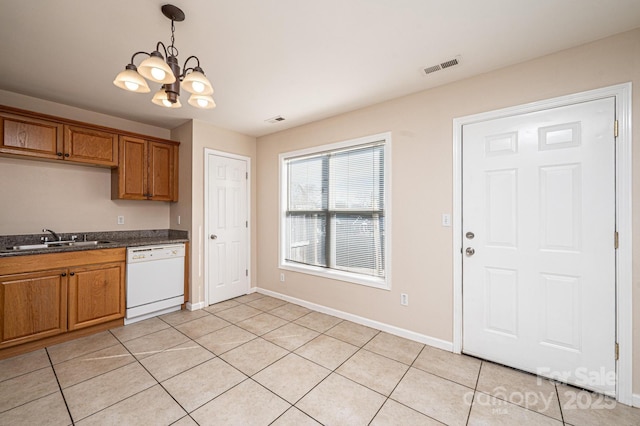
54 244
28 247
86 243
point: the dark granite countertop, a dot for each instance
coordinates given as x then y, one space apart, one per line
111 239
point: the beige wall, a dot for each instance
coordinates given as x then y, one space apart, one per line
421 126
199 135
66 197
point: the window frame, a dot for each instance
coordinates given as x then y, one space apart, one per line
325 272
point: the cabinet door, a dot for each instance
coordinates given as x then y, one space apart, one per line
96 294
90 146
32 306
30 136
162 171
129 180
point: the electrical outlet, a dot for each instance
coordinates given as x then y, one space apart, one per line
178 219
120 220
282 277
404 299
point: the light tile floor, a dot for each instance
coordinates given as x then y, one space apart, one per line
257 360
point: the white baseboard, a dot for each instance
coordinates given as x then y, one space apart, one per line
636 400
401 332
195 306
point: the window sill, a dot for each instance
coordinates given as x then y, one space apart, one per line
334 274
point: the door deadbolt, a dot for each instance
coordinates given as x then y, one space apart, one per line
213 236
470 251
470 235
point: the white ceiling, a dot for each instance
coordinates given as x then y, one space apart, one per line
302 59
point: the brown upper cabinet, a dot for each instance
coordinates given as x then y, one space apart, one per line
143 168
148 170
31 136
90 146
36 137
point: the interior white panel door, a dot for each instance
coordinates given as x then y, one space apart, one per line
538 236
227 237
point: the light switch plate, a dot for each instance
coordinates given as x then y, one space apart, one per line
446 219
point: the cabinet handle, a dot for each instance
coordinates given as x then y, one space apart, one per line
72 273
66 154
59 154
64 274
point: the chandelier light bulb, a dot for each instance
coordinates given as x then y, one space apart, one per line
162 99
131 85
195 82
202 101
157 73
198 87
155 68
130 80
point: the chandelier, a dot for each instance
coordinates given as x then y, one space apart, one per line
167 72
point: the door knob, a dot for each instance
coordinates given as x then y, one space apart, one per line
213 236
470 251
470 235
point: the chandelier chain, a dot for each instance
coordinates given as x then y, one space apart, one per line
173 51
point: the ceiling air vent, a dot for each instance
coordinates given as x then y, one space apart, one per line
275 119
442 65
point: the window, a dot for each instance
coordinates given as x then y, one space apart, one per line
335 210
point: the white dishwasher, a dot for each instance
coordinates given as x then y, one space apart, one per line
155 281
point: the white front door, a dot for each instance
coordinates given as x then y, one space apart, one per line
538 221
227 228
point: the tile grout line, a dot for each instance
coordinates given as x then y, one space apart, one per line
64 399
398 384
475 389
555 385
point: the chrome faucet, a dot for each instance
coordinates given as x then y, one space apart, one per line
52 233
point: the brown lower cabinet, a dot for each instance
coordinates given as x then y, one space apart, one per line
34 305
51 294
96 294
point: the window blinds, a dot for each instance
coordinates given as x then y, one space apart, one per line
335 210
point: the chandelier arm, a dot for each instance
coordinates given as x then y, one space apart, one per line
136 54
164 48
184 67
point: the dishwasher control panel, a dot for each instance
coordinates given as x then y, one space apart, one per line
148 253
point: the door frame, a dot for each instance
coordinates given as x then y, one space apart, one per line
623 174
207 153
